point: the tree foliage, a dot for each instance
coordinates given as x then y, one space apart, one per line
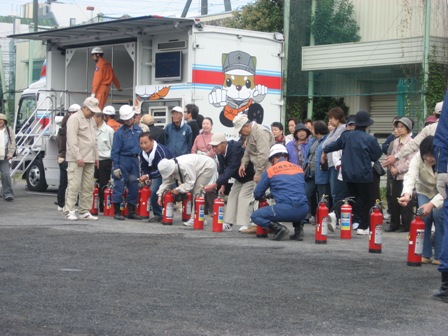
333 22
261 15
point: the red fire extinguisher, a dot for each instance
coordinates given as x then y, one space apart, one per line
261 231
218 214
124 204
186 207
108 204
142 208
346 220
376 229
167 208
416 236
199 216
322 222
95 200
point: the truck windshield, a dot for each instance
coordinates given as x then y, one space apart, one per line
27 105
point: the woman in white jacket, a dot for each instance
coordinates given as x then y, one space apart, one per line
421 175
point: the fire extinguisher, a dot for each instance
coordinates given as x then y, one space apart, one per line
186 207
199 216
261 231
376 229
124 204
416 236
95 200
144 195
167 208
218 214
346 219
322 222
108 204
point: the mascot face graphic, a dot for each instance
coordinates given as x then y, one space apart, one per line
239 93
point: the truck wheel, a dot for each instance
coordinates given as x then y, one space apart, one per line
35 177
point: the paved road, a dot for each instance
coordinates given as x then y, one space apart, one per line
136 278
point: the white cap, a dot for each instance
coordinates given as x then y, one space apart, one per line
217 138
74 108
239 121
166 168
126 112
97 50
277 148
438 108
109 110
177 109
92 104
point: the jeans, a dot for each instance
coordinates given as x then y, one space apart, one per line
436 217
156 209
130 173
444 253
63 181
280 213
338 189
6 179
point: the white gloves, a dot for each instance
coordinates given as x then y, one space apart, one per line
60 160
117 173
442 179
92 95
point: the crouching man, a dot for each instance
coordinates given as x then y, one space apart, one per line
287 187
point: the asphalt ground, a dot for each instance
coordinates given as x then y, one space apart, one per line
137 278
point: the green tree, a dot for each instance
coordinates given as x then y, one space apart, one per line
333 22
261 15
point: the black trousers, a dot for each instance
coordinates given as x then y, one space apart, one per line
103 175
62 183
363 202
399 214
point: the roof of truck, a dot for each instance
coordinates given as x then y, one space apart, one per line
120 30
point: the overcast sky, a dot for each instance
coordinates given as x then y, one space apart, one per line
133 8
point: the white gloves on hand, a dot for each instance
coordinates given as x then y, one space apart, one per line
60 160
117 173
92 95
442 179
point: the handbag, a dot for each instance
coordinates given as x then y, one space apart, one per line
378 168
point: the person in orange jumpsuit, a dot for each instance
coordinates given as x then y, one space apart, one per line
103 77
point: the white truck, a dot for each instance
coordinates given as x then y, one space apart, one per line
160 63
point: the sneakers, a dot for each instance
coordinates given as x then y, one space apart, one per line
60 209
426 260
362 232
244 227
355 226
312 220
88 216
226 227
191 222
71 216
386 217
155 219
250 230
9 198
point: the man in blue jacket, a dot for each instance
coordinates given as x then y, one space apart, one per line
150 156
441 154
360 150
125 169
179 137
291 204
240 200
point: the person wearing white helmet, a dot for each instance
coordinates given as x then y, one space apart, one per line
291 204
125 164
109 117
413 145
103 77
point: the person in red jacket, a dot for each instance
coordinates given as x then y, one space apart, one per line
103 77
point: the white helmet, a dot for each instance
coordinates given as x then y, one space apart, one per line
109 110
97 50
438 108
74 108
277 148
126 112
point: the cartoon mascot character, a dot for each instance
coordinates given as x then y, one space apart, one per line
239 94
